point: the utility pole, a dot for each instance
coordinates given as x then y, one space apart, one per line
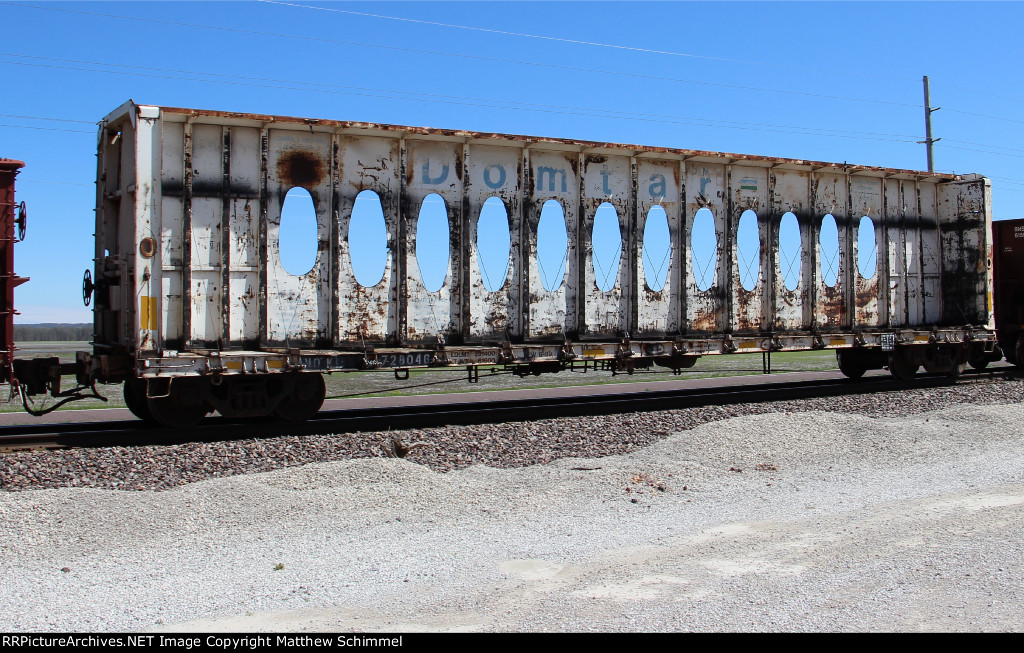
928 125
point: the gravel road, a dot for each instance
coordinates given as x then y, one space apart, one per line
902 512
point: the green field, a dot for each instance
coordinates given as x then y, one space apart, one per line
442 381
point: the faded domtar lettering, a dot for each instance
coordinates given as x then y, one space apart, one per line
439 179
501 176
550 173
657 189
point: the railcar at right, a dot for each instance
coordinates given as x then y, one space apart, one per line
1008 287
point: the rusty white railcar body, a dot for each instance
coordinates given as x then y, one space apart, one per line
194 310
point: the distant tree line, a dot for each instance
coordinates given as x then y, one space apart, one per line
30 332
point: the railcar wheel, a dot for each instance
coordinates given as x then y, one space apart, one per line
851 364
950 369
182 408
135 399
978 363
902 367
304 400
932 367
945 360
955 370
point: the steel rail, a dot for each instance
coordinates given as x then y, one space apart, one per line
397 418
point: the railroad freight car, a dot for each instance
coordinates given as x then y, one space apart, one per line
194 311
1008 264
13 221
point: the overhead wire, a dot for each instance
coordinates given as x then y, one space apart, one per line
559 39
13 115
52 181
983 115
971 149
487 30
50 129
520 62
490 102
975 91
994 147
470 56
242 80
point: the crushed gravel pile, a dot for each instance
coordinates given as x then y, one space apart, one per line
813 520
507 445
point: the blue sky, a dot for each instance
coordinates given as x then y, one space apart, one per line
822 81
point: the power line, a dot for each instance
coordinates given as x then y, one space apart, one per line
51 129
1009 179
983 115
969 149
529 63
241 80
50 181
11 115
994 147
650 118
523 62
606 45
491 102
977 92
476 57
559 39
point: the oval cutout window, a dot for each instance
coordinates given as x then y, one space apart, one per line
299 240
828 241
704 249
790 250
867 253
493 244
606 246
657 248
748 250
368 239
433 248
552 245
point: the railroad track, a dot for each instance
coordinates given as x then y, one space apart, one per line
396 418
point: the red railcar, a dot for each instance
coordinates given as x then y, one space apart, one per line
12 229
1008 286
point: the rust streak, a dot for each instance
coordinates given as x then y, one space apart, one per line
300 168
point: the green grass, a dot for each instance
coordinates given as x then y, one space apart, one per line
446 381
65 350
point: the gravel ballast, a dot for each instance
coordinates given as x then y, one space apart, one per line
895 512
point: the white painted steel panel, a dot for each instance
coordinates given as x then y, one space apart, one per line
298 306
750 308
553 176
866 199
368 313
494 172
658 184
606 179
433 167
792 308
705 188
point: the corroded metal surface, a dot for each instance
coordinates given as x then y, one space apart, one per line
209 187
